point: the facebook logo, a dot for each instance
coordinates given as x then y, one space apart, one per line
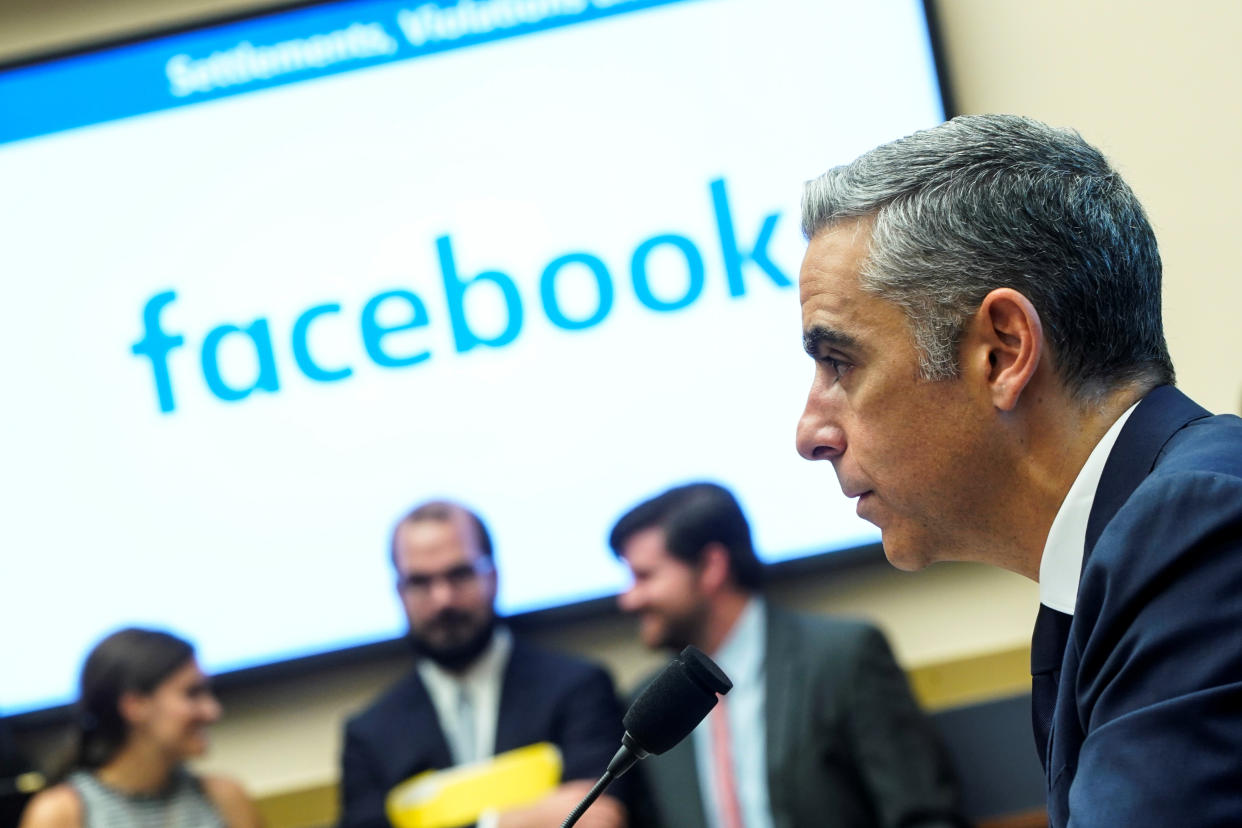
743 259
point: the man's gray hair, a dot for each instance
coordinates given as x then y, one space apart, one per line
989 201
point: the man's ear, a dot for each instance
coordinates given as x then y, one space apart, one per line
492 578
714 568
1005 346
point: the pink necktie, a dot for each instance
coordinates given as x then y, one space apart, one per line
722 764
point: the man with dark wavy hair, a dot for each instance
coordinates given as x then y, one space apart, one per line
820 727
982 303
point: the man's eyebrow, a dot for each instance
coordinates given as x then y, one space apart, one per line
816 337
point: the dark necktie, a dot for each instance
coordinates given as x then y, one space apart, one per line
1047 651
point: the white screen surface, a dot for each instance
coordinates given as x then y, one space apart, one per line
548 271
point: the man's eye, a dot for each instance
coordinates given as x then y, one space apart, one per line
836 366
460 575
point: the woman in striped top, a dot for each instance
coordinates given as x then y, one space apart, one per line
144 708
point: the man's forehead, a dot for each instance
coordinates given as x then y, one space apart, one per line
435 538
834 259
836 311
829 286
646 546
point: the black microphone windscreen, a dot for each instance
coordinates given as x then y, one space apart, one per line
675 702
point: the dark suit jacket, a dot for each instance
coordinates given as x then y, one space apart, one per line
544 697
847 745
1147 729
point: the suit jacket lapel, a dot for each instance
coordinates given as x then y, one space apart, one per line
1157 418
422 727
782 689
1163 412
1047 653
514 686
677 774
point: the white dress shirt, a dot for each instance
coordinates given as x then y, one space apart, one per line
741 657
481 681
1061 565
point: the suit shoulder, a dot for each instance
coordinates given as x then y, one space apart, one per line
392 701
555 666
1180 505
1172 552
1194 487
1211 444
822 631
827 651
1175 511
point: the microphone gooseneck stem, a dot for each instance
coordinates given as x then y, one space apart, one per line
587 800
625 758
664 713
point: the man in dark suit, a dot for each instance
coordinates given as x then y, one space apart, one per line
819 728
475 690
982 302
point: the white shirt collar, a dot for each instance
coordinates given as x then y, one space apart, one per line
740 655
482 680
1061 565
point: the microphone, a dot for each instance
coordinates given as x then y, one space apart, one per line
664 713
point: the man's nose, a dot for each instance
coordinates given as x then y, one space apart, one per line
442 592
628 601
819 434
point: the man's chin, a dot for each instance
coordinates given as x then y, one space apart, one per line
653 636
653 639
455 652
195 746
904 556
660 637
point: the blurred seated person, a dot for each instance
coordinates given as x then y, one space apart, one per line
17 781
474 690
820 727
143 710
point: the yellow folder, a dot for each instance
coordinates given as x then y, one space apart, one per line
458 795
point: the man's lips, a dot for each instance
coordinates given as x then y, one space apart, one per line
864 499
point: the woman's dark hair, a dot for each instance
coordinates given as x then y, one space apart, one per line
127 661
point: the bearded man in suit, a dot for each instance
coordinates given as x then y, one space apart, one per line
475 689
